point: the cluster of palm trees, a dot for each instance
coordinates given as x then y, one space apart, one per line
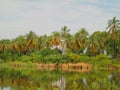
106 42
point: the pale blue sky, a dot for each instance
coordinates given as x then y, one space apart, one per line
45 16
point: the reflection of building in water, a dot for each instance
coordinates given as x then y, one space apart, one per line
59 83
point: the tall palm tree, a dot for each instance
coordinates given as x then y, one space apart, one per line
31 41
93 44
44 41
40 42
101 37
113 26
55 39
13 47
118 39
81 38
69 41
4 45
64 32
20 41
64 35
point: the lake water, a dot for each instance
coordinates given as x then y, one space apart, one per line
35 79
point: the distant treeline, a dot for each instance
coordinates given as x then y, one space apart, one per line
80 43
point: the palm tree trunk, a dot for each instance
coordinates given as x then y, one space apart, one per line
114 51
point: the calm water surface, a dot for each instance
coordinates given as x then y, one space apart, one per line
32 79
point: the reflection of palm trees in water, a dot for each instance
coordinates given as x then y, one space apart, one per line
85 83
110 76
60 84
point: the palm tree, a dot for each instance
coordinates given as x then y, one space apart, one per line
101 37
13 47
40 42
64 32
93 45
31 41
55 39
118 39
64 35
4 45
69 41
113 26
46 40
43 42
81 38
20 42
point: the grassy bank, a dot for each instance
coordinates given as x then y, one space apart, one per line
98 62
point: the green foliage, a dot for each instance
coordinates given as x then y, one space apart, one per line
74 57
101 61
55 89
34 48
85 58
101 57
98 80
49 55
109 85
50 58
48 51
75 85
94 86
36 57
26 58
8 56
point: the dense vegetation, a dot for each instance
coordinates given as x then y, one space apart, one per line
63 46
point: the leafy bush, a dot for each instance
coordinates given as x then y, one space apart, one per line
102 57
85 58
53 58
26 58
36 57
48 51
74 57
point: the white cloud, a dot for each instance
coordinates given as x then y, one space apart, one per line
92 1
47 16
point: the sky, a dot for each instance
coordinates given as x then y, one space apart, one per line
18 17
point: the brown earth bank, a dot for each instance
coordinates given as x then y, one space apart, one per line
79 67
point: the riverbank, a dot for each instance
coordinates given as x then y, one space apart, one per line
51 57
78 67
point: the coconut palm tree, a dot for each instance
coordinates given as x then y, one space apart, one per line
40 42
101 37
69 41
113 26
118 39
13 47
46 41
4 45
93 45
43 42
64 35
81 38
64 32
31 41
55 39
20 42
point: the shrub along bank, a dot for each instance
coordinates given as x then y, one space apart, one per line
55 56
